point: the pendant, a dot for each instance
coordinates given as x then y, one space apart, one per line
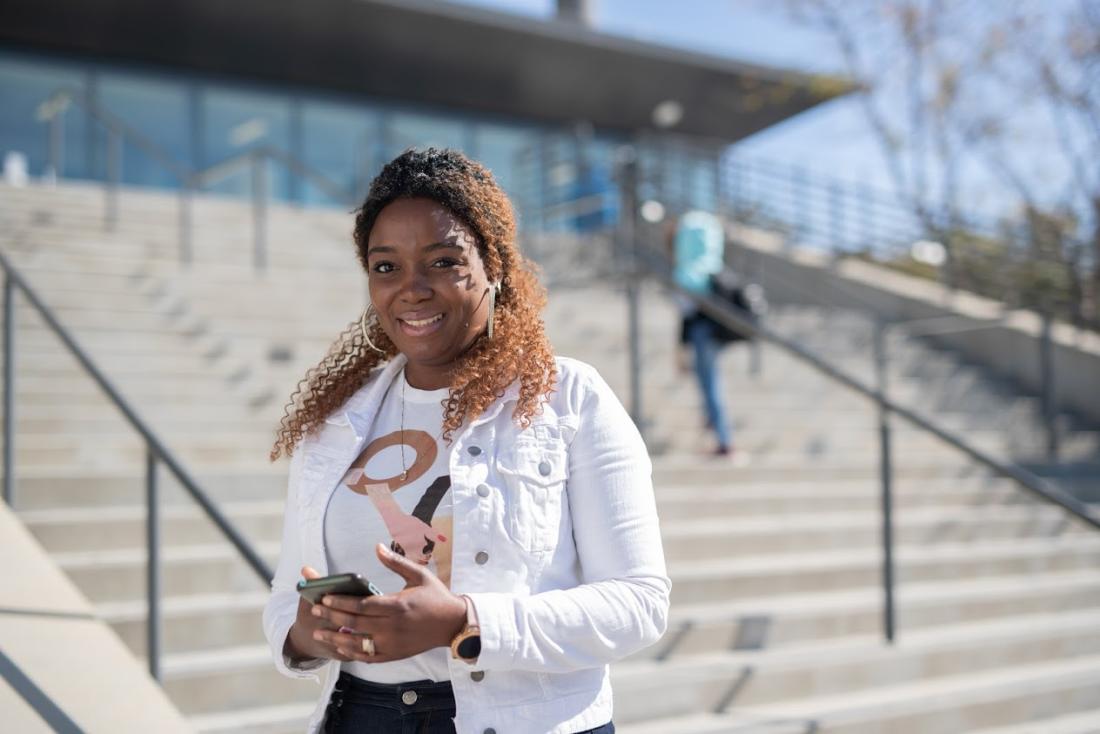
404 475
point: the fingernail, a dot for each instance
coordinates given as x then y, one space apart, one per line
317 635
327 601
315 612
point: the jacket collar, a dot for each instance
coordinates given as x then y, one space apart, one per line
363 406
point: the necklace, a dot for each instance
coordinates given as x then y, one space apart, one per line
404 467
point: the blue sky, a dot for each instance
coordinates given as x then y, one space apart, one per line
833 138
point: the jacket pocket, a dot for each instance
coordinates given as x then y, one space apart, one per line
534 474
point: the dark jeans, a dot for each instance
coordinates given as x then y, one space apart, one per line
358 706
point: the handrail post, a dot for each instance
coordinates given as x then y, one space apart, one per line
186 201
1046 384
114 176
153 580
9 390
259 211
56 145
886 472
836 218
628 181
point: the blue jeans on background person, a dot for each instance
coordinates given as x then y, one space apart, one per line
359 706
706 350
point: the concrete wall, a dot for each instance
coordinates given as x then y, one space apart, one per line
61 668
1010 348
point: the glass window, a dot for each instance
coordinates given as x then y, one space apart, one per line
25 82
236 120
501 149
408 130
156 107
342 142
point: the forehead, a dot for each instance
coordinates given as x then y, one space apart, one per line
418 221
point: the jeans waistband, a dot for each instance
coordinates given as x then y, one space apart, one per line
421 695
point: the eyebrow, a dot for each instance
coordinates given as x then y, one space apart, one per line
427 248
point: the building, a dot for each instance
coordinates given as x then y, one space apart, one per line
343 85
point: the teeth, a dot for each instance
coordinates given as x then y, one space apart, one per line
424 322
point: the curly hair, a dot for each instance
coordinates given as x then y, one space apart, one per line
519 349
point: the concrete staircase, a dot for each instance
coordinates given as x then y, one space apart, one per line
776 619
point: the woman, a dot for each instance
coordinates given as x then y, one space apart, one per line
498 496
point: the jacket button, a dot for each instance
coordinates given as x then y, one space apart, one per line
544 468
477 676
490 731
409 697
483 490
481 558
473 450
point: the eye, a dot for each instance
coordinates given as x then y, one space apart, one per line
382 267
446 262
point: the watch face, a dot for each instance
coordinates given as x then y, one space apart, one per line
470 648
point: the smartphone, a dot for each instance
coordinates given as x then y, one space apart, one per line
350 584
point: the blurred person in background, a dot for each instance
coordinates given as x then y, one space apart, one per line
499 497
697 245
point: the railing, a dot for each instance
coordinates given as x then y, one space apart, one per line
1009 262
646 259
188 180
157 453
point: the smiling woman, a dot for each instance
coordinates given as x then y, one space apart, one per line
499 497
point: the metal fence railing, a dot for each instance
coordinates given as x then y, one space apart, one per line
157 454
642 256
255 162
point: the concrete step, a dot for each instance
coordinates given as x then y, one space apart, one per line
772 621
1087 722
230 679
708 580
68 529
119 575
1026 696
850 666
722 537
290 718
60 488
687 502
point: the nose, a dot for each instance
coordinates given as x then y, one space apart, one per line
416 286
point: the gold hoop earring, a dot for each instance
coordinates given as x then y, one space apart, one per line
493 291
363 328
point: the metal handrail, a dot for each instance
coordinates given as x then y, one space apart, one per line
730 318
190 180
156 452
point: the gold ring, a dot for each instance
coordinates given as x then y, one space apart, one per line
368 645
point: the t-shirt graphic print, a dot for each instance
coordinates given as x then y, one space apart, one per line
397 492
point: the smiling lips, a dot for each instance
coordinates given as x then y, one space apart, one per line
420 327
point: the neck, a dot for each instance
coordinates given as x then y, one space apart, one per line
427 378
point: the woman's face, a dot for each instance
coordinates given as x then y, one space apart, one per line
428 286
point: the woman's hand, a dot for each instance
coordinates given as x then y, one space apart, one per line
300 642
424 615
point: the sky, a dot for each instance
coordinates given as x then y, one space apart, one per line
833 138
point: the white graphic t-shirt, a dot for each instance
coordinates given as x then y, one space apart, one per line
397 492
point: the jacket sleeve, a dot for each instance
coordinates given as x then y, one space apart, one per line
282 606
621 605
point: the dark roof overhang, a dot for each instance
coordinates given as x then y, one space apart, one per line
433 53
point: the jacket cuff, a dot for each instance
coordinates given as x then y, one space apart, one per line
283 663
499 637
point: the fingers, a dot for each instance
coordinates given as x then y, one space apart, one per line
349 646
308 572
413 573
338 618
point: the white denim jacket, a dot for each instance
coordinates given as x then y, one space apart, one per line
563 519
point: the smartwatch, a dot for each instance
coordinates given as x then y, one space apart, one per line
466 645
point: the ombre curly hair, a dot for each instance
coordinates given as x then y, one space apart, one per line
519 349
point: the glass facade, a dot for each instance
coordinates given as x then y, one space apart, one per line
199 122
